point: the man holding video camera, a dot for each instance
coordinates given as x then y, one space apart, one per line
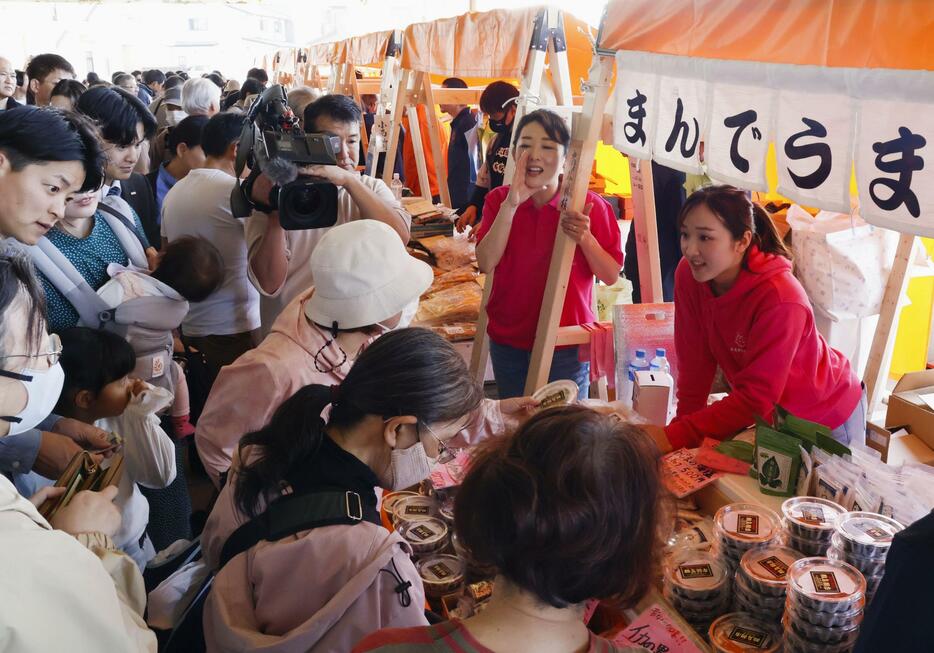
278 256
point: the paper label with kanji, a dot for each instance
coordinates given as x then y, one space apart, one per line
656 630
683 475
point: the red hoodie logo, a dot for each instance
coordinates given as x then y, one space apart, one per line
739 344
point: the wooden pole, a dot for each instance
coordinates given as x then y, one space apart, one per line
434 138
580 156
398 107
883 342
646 226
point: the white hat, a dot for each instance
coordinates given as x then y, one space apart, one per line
363 275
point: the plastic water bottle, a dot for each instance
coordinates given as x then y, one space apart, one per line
660 363
396 186
637 363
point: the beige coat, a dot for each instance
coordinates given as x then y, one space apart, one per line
61 593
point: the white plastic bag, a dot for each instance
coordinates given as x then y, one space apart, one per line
842 262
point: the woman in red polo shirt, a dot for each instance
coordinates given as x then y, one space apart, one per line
516 238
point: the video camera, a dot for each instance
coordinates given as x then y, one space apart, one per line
272 142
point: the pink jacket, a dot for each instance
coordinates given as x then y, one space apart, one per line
320 590
247 393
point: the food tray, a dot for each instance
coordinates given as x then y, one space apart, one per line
738 631
441 574
765 569
426 536
743 525
696 576
811 517
825 585
705 608
866 534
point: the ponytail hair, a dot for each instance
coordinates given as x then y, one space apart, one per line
738 215
406 372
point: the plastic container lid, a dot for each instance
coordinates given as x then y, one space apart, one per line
747 523
739 631
768 565
660 352
823 580
868 529
428 534
441 573
415 508
391 500
812 513
695 571
557 393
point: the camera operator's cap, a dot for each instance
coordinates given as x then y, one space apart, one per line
363 275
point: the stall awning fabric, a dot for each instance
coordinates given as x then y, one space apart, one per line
364 50
834 85
488 45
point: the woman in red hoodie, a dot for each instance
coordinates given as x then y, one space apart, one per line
738 306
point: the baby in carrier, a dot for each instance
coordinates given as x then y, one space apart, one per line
148 307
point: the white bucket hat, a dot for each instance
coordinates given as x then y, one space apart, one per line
363 275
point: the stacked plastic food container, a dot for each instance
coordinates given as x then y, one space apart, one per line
422 521
739 631
809 524
824 607
863 540
697 584
761 582
739 527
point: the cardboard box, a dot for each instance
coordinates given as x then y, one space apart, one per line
907 409
898 449
651 396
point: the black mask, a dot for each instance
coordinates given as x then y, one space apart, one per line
498 126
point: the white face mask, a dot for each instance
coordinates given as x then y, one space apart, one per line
405 317
173 117
408 467
43 388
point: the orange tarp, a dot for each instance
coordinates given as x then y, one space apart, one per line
364 50
850 33
484 46
408 156
322 53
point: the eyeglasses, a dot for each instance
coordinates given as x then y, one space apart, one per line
51 356
8 75
445 454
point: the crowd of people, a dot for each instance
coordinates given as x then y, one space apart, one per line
280 365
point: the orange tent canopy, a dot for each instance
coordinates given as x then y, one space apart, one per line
853 34
364 50
481 47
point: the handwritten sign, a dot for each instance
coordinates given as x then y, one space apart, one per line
656 630
683 475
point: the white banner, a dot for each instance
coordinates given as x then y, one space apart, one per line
895 166
821 120
741 117
813 147
681 116
636 109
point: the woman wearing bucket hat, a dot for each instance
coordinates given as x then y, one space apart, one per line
365 285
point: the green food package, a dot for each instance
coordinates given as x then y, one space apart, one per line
737 449
777 461
811 432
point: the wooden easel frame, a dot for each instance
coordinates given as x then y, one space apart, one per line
548 46
388 94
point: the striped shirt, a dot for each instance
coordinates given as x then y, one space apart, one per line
451 637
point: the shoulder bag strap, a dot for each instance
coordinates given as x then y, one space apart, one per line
294 513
